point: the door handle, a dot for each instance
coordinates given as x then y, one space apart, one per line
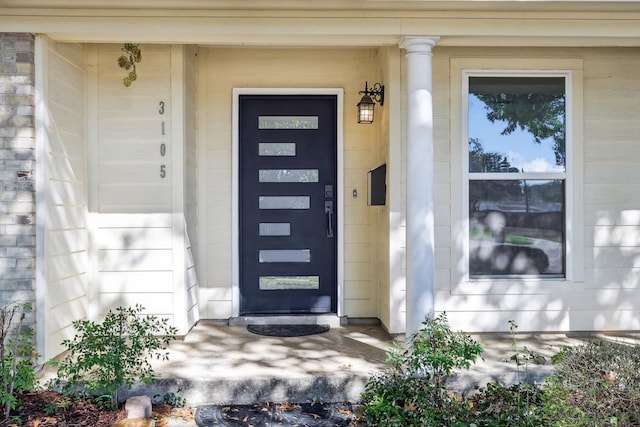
328 210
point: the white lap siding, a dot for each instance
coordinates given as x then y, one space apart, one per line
601 289
62 211
141 249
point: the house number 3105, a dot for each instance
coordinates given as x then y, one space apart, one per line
163 146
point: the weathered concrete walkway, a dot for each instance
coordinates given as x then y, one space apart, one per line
228 364
221 364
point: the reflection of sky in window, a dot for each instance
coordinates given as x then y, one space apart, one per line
519 147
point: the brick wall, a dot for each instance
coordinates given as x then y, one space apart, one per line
17 169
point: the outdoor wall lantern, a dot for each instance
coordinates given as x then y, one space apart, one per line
366 104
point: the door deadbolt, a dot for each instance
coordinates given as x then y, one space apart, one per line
328 191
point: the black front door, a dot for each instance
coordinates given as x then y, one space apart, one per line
288 230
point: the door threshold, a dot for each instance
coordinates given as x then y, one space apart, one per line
332 320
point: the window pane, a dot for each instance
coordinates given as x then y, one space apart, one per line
288 122
516 227
275 229
277 149
285 255
288 175
284 202
516 124
272 283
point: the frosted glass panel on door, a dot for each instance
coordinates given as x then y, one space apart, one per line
288 175
288 122
279 149
275 229
285 255
284 202
277 283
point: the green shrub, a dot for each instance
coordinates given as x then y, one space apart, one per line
517 405
413 391
394 399
595 384
17 356
103 357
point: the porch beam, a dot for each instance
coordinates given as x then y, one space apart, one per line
290 29
420 291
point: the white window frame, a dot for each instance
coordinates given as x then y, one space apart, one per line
461 70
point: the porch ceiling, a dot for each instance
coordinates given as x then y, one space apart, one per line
328 23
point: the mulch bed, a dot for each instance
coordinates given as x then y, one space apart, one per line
48 408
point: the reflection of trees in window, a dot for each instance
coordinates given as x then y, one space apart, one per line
541 114
517 218
479 161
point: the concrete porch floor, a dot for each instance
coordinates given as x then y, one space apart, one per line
217 364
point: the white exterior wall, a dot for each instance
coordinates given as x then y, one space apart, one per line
141 199
134 235
604 270
62 197
148 239
611 192
224 69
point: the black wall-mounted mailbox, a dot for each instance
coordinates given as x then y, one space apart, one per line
377 183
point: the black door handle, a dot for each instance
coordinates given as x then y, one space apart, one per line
328 210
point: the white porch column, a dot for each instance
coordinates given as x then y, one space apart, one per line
420 293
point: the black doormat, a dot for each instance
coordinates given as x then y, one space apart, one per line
279 414
287 330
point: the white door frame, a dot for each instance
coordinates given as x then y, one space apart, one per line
235 185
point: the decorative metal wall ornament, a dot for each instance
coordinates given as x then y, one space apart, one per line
132 55
367 103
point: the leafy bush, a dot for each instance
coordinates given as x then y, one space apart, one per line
105 356
413 392
498 405
394 399
17 356
594 384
